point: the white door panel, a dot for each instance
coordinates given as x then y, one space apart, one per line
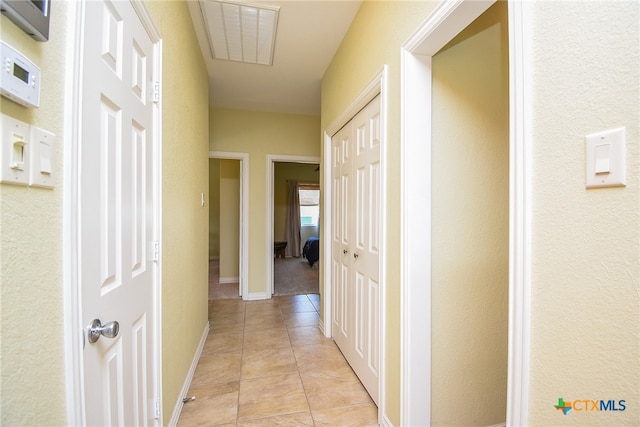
355 243
116 198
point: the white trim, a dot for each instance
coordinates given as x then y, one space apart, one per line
244 214
224 280
271 160
255 296
73 336
446 22
72 293
520 206
377 86
177 409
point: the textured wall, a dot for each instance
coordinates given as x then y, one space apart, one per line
259 134
185 170
230 219
585 325
32 388
470 224
374 39
214 208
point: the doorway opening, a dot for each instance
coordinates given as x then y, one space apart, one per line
419 195
228 224
293 197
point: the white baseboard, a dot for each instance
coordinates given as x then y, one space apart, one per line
321 326
384 421
256 296
229 280
177 410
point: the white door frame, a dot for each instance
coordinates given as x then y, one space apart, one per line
272 159
377 85
244 214
448 20
74 336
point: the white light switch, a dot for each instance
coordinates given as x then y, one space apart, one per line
42 152
14 152
606 158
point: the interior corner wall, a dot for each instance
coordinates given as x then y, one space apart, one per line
185 170
374 39
470 224
32 372
230 221
585 290
214 208
259 134
284 171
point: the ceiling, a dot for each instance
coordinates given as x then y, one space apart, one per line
308 35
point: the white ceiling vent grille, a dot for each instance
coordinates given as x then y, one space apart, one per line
240 32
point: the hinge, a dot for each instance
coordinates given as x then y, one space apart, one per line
156 251
156 92
156 408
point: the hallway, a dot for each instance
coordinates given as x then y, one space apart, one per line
267 363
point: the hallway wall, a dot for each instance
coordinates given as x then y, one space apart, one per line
31 277
259 134
31 247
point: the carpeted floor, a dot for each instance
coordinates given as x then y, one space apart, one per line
291 276
294 276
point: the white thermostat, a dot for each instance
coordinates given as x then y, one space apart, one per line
20 78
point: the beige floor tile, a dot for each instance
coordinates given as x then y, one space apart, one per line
219 368
262 321
357 416
296 320
271 396
222 343
215 405
290 420
297 306
331 389
263 339
231 328
227 318
269 362
263 309
226 306
319 358
309 336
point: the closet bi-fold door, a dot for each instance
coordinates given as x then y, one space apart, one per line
355 241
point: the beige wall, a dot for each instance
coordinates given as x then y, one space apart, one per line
32 382
259 134
214 208
585 296
374 39
230 220
301 172
185 170
33 371
470 224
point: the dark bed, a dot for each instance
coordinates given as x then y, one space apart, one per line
311 250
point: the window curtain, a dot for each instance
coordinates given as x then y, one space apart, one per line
292 228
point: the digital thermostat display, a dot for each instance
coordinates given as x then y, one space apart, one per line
19 77
21 73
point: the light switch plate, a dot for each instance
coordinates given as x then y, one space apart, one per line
14 151
606 158
42 158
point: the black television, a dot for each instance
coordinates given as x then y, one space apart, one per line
30 15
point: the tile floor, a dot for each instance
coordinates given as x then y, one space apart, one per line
266 363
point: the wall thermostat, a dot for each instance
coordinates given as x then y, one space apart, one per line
19 78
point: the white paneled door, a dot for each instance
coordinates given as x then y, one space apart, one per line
355 240
117 237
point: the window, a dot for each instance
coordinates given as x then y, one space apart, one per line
309 205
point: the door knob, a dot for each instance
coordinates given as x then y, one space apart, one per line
355 255
344 251
110 330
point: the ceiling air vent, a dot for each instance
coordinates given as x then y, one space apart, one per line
240 31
